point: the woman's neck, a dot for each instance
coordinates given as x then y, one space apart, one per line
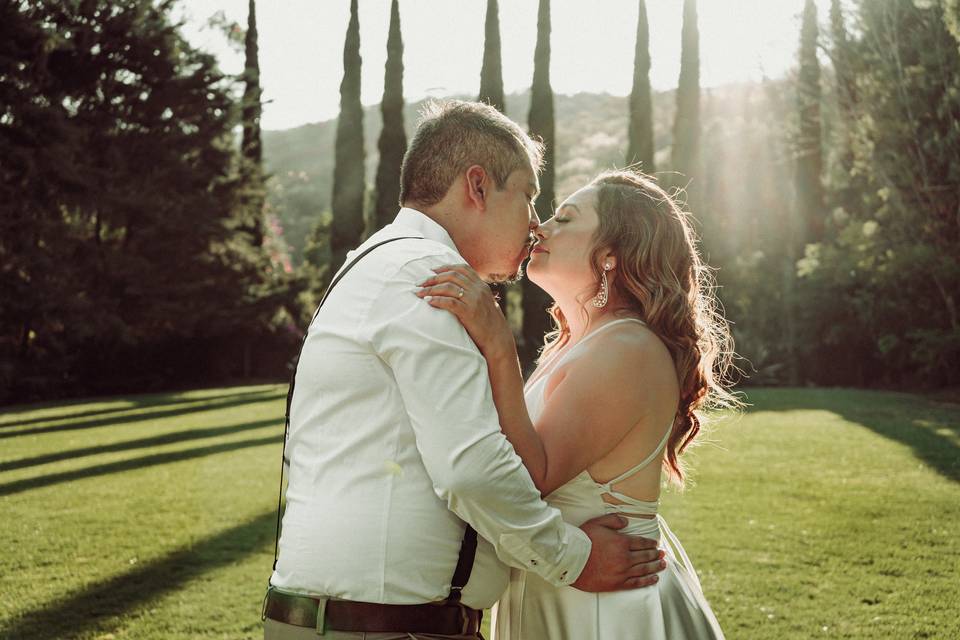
581 319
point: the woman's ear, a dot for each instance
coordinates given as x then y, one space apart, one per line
477 180
609 262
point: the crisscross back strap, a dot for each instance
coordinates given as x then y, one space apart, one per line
629 472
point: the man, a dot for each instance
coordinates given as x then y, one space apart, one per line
394 443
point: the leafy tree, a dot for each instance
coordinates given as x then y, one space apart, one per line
123 267
892 262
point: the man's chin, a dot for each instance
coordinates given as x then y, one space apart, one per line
504 278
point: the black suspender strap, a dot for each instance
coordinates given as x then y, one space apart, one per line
461 575
293 381
468 547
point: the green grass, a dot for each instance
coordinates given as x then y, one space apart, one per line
818 513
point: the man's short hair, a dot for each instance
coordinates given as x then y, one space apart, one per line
453 135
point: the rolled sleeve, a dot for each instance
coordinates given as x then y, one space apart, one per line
445 388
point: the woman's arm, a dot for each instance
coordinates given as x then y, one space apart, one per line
590 405
506 382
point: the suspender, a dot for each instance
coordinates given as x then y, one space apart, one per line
468 547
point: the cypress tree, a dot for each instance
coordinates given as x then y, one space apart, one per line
541 122
393 137
842 59
809 152
348 172
805 222
251 147
491 90
686 127
641 103
491 74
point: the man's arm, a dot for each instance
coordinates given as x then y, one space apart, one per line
444 384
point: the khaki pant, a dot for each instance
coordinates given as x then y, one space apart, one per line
273 630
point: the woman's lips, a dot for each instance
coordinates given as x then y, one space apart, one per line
538 249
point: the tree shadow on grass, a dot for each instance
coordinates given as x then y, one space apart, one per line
134 403
99 605
176 410
141 443
19 486
929 428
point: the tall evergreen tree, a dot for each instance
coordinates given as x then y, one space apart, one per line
348 172
641 143
491 89
251 146
686 127
809 150
393 137
806 222
841 54
846 185
491 74
536 322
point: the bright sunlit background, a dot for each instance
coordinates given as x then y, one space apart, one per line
301 46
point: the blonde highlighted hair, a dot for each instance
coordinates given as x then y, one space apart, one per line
661 279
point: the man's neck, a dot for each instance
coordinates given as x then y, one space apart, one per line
452 222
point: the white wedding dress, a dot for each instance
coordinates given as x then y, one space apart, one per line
672 609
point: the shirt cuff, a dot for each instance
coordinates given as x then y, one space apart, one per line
573 560
559 571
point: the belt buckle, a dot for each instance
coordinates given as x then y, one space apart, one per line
465 622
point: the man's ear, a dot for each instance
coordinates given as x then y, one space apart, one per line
477 186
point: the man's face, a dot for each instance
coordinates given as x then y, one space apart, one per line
510 222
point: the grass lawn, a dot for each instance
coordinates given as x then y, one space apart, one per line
818 513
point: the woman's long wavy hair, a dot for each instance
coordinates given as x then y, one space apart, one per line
661 279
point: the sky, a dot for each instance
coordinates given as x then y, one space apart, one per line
301 46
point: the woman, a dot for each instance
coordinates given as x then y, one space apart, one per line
638 349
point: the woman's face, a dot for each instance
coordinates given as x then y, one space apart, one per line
560 262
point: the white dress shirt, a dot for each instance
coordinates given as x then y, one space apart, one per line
394 442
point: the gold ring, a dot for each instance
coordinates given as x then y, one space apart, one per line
460 295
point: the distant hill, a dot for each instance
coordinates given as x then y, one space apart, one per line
591 136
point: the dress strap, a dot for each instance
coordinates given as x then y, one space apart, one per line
556 358
629 472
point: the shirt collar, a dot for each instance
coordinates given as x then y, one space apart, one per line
424 224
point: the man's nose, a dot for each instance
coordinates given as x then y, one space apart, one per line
534 221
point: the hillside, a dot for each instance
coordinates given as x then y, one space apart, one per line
591 134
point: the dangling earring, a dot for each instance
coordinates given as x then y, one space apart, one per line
600 301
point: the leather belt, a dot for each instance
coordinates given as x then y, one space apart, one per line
324 614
